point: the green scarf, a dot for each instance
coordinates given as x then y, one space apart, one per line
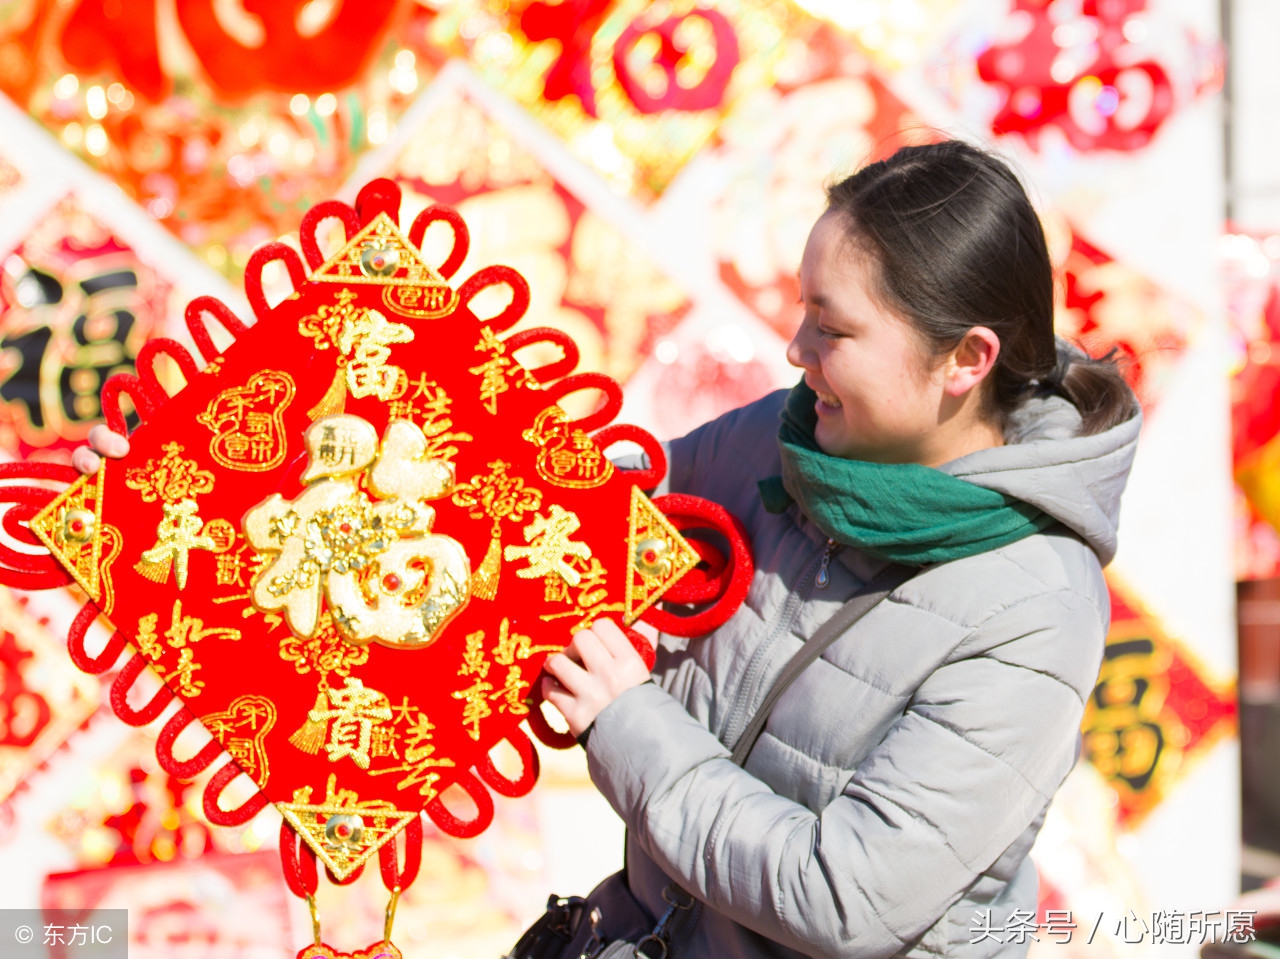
907 513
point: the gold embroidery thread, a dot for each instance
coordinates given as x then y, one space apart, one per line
497 495
351 714
434 413
567 456
248 422
242 729
499 372
419 762
363 339
549 549
175 482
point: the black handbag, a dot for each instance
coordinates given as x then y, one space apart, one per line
610 923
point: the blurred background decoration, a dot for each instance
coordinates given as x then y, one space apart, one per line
653 168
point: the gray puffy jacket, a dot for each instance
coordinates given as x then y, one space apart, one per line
889 805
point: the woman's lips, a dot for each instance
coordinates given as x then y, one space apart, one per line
826 402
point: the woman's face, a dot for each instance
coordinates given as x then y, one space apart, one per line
880 394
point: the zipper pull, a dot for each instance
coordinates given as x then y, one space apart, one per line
824 574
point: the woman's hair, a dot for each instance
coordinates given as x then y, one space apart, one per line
959 245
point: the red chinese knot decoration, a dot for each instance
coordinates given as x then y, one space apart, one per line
268 52
575 24
348 543
1083 71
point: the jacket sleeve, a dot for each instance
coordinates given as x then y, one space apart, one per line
983 744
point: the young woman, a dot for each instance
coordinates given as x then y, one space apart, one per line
889 805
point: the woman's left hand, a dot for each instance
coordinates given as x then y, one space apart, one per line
102 442
597 667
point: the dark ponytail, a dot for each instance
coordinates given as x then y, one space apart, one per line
1092 385
959 245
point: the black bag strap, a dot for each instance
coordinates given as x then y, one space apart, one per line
686 911
870 596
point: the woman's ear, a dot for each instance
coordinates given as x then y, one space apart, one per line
971 361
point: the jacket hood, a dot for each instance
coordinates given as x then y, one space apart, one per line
1075 479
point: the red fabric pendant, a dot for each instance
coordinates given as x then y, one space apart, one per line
350 541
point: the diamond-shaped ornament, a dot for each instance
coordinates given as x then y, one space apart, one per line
71 528
1155 710
350 541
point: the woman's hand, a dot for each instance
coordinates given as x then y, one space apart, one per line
101 441
597 667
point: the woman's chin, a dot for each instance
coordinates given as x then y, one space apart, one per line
829 440
836 442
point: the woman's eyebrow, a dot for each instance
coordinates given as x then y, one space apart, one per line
817 299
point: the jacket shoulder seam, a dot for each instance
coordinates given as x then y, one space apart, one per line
959 734
1027 600
1082 697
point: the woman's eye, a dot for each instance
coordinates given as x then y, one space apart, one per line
829 334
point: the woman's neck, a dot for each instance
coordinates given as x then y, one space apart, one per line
959 437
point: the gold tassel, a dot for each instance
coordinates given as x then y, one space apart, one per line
156 572
309 737
484 581
334 400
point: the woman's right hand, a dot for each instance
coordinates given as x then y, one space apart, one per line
102 442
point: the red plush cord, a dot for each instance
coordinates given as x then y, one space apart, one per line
464 828
311 220
146 366
39 471
586 381
693 512
565 740
541 728
19 568
15 521
230 817
253 274
393 875
529 768
641 646
707 580
497 276
143 400
298 862
94 665
379 196
183 768
196 325
619 432
120 695
546 334
438 213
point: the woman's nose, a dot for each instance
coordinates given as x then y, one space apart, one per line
798 353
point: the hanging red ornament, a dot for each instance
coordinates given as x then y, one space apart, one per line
266 48
1088 73
348 543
